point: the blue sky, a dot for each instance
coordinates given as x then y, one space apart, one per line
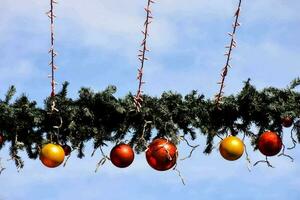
97 42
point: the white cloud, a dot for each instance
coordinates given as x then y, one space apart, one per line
116 25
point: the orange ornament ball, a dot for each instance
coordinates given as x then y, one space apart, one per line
161 154
231 148
52 155
269 143
122 155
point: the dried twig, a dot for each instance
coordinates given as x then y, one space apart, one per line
142 56
293 139
220 137
194 147
94 151
66 161
1 167
264 161
228 54
217 146
57 127
171 158
142 137
73 149
247 159
168 152
102 160
179 174
284 154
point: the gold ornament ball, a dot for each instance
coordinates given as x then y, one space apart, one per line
52 155
231 148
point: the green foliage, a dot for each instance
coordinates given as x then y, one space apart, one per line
101 117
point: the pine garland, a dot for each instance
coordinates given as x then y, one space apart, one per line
102 118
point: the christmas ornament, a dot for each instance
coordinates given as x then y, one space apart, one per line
231 148
161 154
52 155
287 121
269 143
1 138
67 149
122 155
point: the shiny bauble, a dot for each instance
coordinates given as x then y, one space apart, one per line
161 154
52 155
287 121
269 143
67 149
1 138
231 148
122 155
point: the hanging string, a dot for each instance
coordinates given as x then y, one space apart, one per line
102 160
52 53
248 160
53 66
170 159
228 55
179 174
142 56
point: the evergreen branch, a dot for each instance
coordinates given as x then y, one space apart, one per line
10 93
295 83
103 118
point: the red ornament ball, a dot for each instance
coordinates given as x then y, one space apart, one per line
122 155
269 143
1 138
287 121
161 154
67 149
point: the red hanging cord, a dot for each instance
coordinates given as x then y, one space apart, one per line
142 57
228 55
